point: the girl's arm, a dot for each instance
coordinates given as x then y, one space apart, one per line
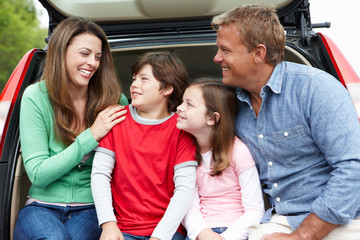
185 180
253 202
193 220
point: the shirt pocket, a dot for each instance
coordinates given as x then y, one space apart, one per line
294 146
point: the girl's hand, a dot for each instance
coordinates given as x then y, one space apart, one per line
111 232
208 234
106 119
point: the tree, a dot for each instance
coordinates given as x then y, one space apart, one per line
19 32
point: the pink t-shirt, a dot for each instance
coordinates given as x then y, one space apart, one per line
220 196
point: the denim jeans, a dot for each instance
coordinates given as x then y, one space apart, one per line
218 230
44 221
177 236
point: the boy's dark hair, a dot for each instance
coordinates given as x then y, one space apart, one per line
169 70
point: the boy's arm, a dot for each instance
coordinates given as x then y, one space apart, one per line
103 165
185 180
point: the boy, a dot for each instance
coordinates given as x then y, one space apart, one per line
149 162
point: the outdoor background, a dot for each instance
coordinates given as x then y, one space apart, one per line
23 26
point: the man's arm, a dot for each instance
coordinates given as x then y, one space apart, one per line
312 228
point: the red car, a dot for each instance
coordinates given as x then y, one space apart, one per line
134 27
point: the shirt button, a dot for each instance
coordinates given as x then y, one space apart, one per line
277 199
270 163
261 136
275 184
286 134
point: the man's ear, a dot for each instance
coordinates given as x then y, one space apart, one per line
213 119
260 53
168 90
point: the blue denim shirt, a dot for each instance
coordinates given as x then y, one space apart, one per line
306 145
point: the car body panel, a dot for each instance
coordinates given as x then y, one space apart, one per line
145 10
11 92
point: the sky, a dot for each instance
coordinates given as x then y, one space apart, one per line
344 30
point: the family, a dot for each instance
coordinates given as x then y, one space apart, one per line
189 161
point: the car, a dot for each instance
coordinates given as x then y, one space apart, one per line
137 26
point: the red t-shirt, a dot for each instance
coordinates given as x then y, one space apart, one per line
142 181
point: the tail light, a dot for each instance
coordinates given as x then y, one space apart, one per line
346 73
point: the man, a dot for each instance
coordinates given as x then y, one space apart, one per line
300 126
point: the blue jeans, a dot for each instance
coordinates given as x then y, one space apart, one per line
177 236
218 230
44 221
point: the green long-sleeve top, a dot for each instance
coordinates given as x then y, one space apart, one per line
56 171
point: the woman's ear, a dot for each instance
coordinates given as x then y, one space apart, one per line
212 120
168 90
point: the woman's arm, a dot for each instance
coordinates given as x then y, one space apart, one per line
44 165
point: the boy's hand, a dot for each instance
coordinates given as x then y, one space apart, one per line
111 232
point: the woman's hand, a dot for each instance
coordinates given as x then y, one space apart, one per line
106 119
111 232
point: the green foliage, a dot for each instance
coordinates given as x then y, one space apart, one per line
19 32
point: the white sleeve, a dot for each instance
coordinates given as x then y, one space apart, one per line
185 180
253 202
193 220
103 165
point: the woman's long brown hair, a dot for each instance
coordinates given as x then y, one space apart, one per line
221 99
104 87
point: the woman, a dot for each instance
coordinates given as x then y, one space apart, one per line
62 118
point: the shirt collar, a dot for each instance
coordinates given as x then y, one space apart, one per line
276 78
274 83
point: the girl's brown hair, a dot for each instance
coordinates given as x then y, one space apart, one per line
219 98
169 70
103 89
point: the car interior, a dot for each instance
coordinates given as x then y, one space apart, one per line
199 62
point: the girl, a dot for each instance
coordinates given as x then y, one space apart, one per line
229 197
62 118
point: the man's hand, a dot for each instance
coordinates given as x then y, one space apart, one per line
312 228
280 236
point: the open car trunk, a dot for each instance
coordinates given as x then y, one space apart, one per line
198 60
